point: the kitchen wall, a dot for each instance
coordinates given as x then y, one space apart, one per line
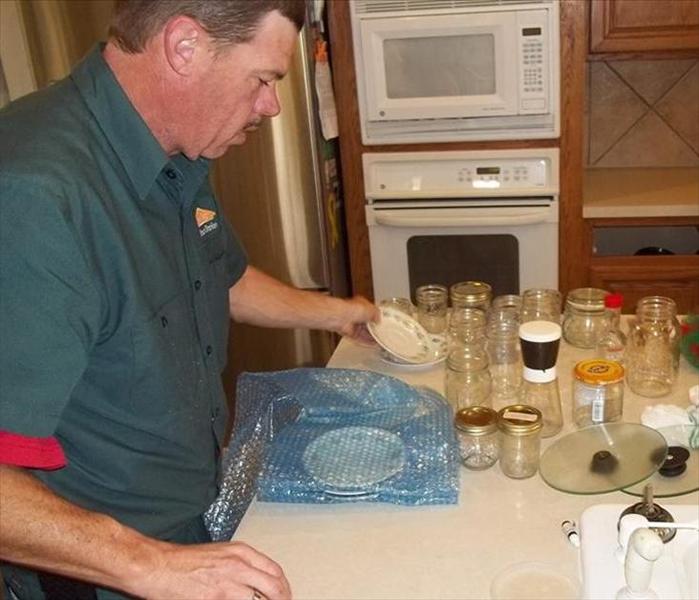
40 40
642 113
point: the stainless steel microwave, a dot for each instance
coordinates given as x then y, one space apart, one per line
452 70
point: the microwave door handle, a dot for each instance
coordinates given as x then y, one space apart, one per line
402 220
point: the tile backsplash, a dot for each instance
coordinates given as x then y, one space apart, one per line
642 113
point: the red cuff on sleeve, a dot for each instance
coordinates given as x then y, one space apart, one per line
31 452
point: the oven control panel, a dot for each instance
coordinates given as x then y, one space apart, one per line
467 173
515 175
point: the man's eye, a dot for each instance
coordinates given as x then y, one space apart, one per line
264 82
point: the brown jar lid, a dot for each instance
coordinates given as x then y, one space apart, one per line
476 420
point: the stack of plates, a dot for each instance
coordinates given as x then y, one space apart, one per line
405 342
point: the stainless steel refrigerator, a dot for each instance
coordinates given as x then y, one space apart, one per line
280 191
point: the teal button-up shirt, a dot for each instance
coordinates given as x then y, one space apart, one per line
115 266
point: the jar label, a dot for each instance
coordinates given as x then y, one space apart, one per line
594 396
598 409
519 415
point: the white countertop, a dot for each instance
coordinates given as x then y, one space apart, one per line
632 193
380 551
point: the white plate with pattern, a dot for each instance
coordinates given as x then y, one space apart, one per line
440 353
403 336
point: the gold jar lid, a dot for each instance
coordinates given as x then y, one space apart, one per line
471 292
519 419
476 420
597 371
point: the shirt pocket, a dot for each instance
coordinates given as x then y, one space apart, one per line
167 359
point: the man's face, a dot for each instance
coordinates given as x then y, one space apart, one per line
236 89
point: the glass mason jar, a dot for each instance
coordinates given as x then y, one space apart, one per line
467 379
541 304
520 440
470 294
477 432
598 392
432 307
585 320
653 347
504 358
466 327
505 308
546 398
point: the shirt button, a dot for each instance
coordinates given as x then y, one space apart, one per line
209 350
171 174
197 285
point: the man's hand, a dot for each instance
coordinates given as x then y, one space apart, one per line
94 547
358 311
229 570
259 299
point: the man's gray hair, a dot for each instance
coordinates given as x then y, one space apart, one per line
226 21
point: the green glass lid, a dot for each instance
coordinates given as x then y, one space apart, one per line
674 479
603 458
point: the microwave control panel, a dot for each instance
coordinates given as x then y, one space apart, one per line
533 52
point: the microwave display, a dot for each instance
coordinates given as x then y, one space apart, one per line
487 170
466 66
531 31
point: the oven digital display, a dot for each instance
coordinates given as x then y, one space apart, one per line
488 170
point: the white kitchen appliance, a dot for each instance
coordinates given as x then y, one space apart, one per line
444 217
448 70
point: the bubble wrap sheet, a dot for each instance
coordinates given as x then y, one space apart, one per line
334 435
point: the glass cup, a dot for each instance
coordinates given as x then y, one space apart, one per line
504 358
541 304
584 320
652 352
402 304
466 327
432 307
505 308
467 379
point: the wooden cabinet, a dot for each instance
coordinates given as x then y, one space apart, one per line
643 25
639 276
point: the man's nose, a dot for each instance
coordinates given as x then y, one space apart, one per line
268 102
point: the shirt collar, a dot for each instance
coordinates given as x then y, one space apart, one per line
140 153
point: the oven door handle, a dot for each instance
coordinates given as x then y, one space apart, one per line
400 219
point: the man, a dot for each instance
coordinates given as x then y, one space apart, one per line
118 280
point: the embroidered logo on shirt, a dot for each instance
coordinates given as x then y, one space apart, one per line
206 220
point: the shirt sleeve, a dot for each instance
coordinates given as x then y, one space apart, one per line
49 309
31 452
236 258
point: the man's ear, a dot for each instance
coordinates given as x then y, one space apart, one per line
184 41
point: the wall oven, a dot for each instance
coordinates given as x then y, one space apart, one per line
448 70
443 217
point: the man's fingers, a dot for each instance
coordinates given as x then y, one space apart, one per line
265 575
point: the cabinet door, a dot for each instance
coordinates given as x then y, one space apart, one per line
637 276
643 25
